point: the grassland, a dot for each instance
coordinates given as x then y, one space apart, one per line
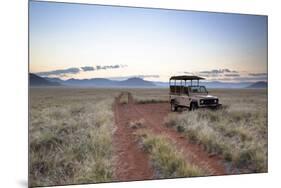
144 96
167 161
70 133
238 131
70 136
124 98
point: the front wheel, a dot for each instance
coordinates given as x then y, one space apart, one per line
193 106
174 107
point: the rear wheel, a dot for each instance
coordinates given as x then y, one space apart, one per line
174 107
193 106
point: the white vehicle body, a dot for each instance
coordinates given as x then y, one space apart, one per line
190 96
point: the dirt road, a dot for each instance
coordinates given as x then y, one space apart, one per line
132 163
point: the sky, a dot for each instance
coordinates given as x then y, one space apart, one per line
93 41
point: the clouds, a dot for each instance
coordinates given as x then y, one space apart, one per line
87 68
230 75
59 72
223 75
218 71
245 79
75 70
258 74
215 73
135 76
105 67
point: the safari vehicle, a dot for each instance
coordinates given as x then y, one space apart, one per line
192 96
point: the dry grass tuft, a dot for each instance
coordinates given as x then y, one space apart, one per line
150 101
238 132
137 124
124 98
70 136
167 161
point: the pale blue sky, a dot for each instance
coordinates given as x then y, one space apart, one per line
143 41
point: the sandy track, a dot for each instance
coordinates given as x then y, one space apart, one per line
132 163
154 115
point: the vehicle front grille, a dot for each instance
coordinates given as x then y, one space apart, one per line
209 101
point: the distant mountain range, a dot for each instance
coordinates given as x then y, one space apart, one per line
131 82
35 80
214 84
94 82
258 85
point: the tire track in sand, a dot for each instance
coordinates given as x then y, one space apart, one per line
132 163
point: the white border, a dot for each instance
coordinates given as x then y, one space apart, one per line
13 80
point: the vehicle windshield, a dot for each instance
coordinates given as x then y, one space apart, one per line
198 89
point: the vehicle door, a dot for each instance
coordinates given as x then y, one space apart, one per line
183 97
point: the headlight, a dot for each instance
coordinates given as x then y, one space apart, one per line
215 100
201 101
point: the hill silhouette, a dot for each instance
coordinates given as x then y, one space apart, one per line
260 84
35 80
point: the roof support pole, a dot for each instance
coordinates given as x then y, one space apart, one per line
180 87
175 87
170 86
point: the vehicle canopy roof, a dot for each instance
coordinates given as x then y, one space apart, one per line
185 77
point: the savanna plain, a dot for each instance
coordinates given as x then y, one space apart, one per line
91 135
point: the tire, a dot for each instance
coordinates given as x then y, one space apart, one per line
218 107
174 107
193 106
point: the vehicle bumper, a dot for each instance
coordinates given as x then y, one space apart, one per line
210 106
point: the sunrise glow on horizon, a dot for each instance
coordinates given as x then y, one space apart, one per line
89 41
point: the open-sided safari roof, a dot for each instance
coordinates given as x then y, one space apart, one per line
184 77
